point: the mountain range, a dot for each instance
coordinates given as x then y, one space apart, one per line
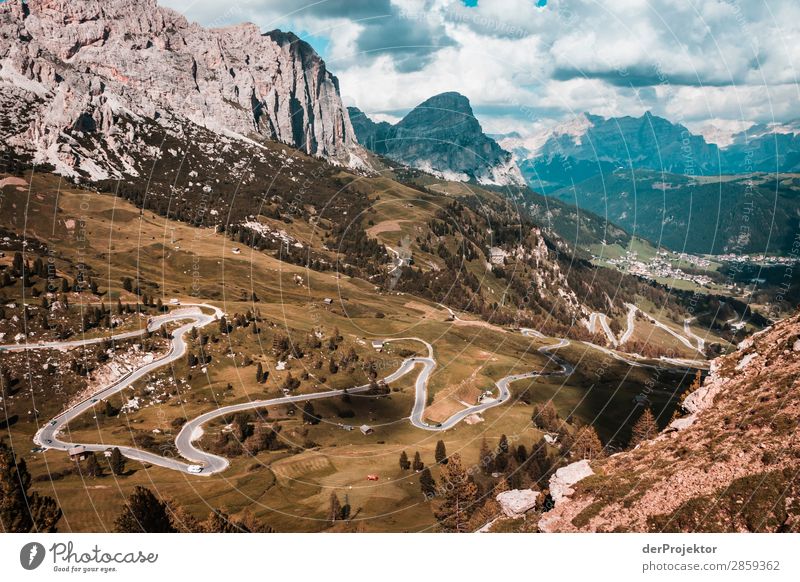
443 137
589 145
658 180
119 89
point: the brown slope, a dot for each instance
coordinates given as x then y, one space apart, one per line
733 468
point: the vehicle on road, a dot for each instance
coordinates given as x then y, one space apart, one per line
195 468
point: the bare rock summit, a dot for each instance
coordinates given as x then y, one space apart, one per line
88 86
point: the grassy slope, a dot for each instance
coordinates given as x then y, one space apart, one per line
173 259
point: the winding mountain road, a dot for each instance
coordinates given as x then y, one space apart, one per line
49 437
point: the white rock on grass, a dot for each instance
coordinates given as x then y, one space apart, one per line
562 481
517 502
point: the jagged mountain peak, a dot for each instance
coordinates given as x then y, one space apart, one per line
442 136
87 72
449 100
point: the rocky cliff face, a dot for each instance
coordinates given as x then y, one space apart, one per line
730 465
82 82
441 136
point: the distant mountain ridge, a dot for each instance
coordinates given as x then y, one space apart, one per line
443 137
589 145
658 180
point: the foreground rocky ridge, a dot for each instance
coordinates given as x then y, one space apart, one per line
81 83
731 465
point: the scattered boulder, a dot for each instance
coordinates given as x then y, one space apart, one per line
562 481
517 502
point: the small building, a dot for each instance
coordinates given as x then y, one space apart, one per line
327 301
78 453
377 344
366 429
497 256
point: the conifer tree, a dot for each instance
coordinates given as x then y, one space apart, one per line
143 513
23 511
117 462
458 500
441 453
644 429
587 444
335 508
309 415
485 458
418 465
405 464
427 483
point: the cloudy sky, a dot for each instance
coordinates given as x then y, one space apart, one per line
525 64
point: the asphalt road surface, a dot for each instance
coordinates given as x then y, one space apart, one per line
49 437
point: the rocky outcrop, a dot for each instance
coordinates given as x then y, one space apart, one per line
441 136
562 480
731 466
517 502
80 82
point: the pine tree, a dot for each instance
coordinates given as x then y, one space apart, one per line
309 415
117 462
503 444
335 508
546 417
427 483
514 478
144 513
22 511
93 468
539 461
485 458
405 464
344 513
418 465
521 454
241 426
441 453
587 444
220 522
459 497
181 520
644 429
500 461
